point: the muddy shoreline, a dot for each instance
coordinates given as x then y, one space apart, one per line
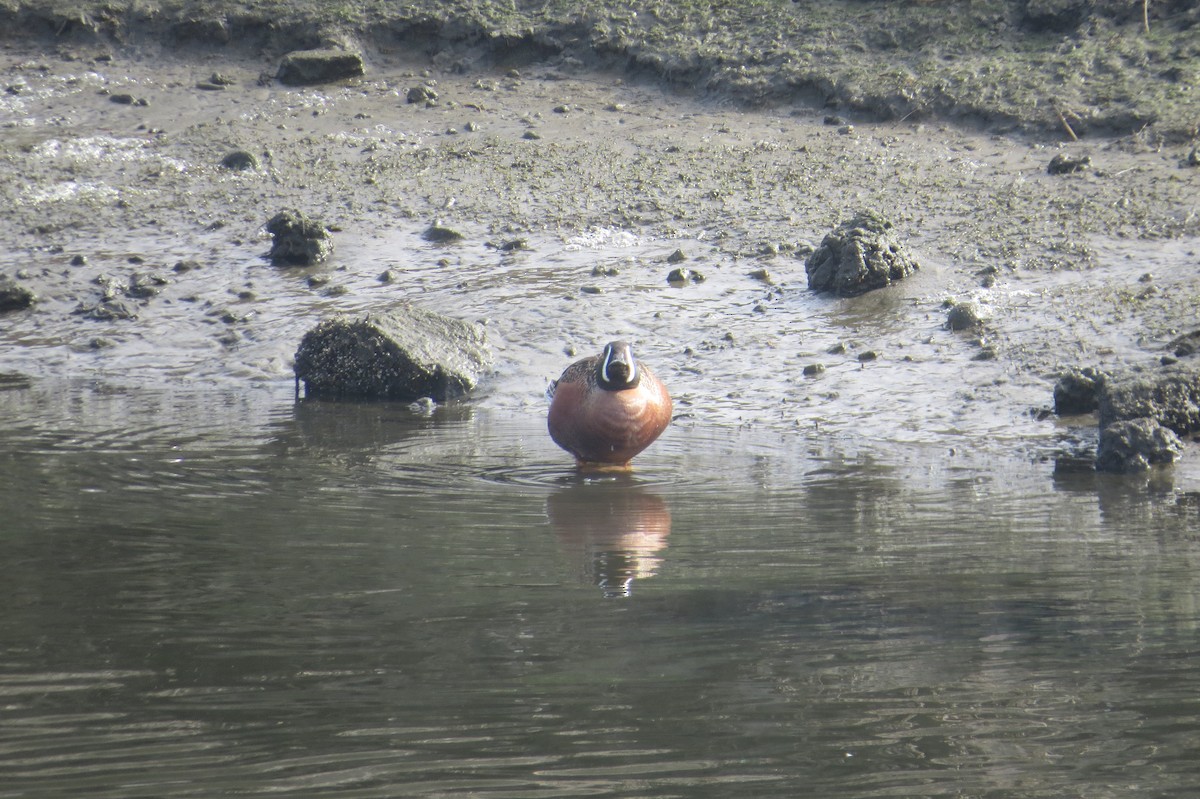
574 176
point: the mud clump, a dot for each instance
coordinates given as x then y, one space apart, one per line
1142 416
1170 397
308 67
1063 164
859 255
298 240
1076 391
405 354
1134 445
14 296
421 94
1186 345
239 161
967 315
438 233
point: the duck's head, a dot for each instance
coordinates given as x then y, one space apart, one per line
617 369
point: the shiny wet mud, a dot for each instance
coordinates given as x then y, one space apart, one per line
230 592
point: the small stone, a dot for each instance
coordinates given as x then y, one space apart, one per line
763 275
681 275
108 310
143 286
186 266
239 161
531 135
814 369
965 316
1064 164
676 257
437 233
421 94
867 356
79 260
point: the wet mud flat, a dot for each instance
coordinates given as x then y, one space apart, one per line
140 180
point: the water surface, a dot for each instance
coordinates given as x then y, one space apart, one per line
217 592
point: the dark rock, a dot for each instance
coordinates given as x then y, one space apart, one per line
965 316
1076 391
107 310
1169 396
1186 345
1063 164
814 369
143 286
514 245
1193 157
239 161
404 354
186 266
440 234
676 257
680 275
421 94
857 256
14 296
126 99
298 240
305 67
1134 445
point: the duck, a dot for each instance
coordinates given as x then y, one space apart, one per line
607 408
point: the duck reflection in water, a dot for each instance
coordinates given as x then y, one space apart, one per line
615 530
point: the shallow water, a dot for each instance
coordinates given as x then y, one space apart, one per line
211 591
